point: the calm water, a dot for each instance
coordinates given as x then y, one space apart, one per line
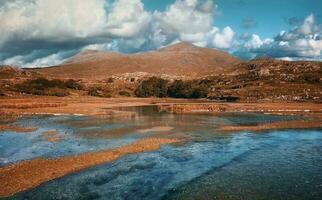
210 165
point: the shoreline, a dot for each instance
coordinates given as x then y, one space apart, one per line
16 107
283 108
279 125
91 106
39 171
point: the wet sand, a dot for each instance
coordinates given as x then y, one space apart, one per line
52 136
157 129
296 124
29 174
281 108
30 105
17 129
84 105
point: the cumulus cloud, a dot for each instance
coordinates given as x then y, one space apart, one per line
186 17
223 39
256 42
192 21
302 42
127 19
35 32
48 20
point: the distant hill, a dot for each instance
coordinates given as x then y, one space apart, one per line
182 59
9 72
220 75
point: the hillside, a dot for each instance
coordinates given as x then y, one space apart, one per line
269 79
181 59
110 74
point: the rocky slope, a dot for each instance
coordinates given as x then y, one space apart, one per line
269 79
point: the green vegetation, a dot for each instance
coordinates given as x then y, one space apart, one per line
42 86
99 92
189 89
72 84
158 87
310 78
153 87
125 93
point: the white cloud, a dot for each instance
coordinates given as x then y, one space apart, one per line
14 61
186 17
29 26
127 18
303 42
57 20
192 21
256 42
51 60
308 25
223 39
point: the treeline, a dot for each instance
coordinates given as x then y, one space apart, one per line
152 87
42 86
158 87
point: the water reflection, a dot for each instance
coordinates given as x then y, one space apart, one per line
209 165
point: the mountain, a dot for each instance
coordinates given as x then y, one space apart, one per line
182 59
108 74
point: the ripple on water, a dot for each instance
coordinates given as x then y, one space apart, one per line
209 165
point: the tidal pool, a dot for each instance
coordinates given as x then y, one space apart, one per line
210 164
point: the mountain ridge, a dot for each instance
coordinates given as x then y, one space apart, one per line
181 59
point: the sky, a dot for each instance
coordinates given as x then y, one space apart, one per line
39 33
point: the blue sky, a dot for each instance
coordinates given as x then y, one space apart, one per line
37 33
271 16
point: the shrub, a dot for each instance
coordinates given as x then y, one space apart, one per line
124 93
224 98
154 86
42 86
72 84
59 92
177 89
190 89
310 78
99 92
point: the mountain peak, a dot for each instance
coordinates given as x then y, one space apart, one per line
91 56
181 59
181 46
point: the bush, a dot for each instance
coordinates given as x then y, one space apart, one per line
124 93
190 90
99 92
42 86
72 84
177 89
311 78
154 86
59 92
224 98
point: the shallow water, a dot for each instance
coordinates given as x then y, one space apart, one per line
210 165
